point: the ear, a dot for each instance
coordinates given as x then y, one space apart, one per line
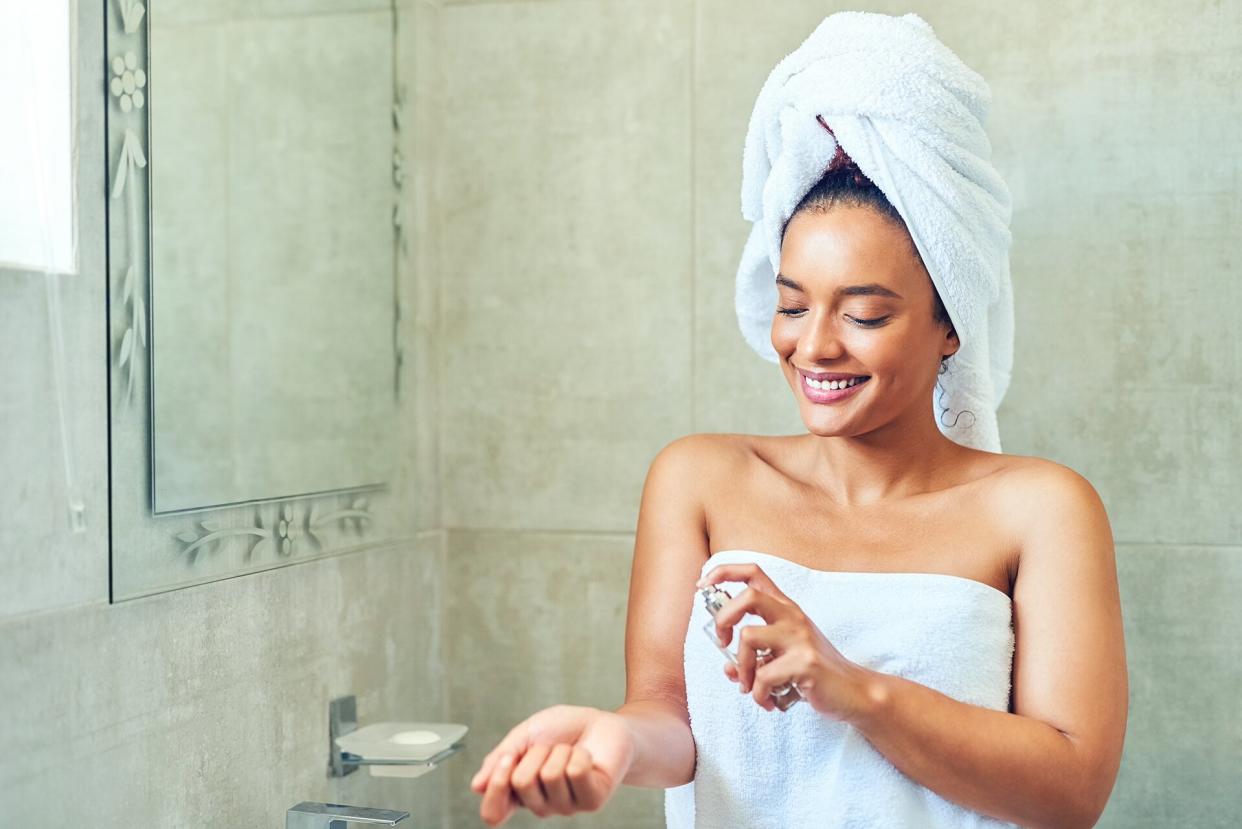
951 343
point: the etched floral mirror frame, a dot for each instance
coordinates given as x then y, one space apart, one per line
153 553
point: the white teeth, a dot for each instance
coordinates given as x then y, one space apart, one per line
833 384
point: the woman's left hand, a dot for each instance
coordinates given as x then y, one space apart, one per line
832 684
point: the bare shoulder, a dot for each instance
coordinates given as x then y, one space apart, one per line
1057 516
1036 490
706 457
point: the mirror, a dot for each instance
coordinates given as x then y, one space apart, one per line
254 254
272 250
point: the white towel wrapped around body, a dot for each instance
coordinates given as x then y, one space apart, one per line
911 115
799 769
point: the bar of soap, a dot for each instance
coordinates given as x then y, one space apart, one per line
414 738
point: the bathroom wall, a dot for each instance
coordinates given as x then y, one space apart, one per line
205 706
589 194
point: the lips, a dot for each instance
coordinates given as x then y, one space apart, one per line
830 395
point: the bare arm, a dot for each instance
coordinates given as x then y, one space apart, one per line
1053 761
670 547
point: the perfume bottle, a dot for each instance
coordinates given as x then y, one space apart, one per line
783 696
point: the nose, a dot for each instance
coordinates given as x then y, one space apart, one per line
818 339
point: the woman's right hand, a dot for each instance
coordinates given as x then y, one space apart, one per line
563 759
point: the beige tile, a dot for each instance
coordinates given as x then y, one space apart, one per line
534 620
1184 741
566 258
1127 360
207 706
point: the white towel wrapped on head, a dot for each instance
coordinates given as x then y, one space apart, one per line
911 115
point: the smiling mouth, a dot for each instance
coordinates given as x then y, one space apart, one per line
826 393
835 385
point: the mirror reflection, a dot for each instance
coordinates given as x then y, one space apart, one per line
272 253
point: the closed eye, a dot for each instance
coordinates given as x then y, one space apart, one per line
866 323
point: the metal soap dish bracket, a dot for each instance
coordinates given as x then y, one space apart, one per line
343 719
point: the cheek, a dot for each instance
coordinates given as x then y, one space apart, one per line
784 334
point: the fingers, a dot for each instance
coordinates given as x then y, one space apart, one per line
560 779
478 783
782 670
751 574
562 782
515 742
731 673
588 787
498 800
526 782
751 640
481 777
764 605
555 784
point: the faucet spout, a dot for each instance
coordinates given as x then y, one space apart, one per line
311 815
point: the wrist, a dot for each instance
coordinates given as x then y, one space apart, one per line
872 696
659 743
628 722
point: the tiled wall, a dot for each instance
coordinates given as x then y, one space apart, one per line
206 706
589 193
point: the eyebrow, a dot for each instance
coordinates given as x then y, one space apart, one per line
869 289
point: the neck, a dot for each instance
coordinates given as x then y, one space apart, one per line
907 456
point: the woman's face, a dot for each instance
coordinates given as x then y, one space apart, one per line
854 299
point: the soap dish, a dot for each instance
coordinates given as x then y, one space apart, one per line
402 741
389 749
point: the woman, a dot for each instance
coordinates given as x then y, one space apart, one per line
875 533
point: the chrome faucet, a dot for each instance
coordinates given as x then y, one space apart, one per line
311 815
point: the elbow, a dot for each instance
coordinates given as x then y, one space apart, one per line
1094 767
1090 803
1071 816
1088 785
1089 815
1083 819
1098 779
